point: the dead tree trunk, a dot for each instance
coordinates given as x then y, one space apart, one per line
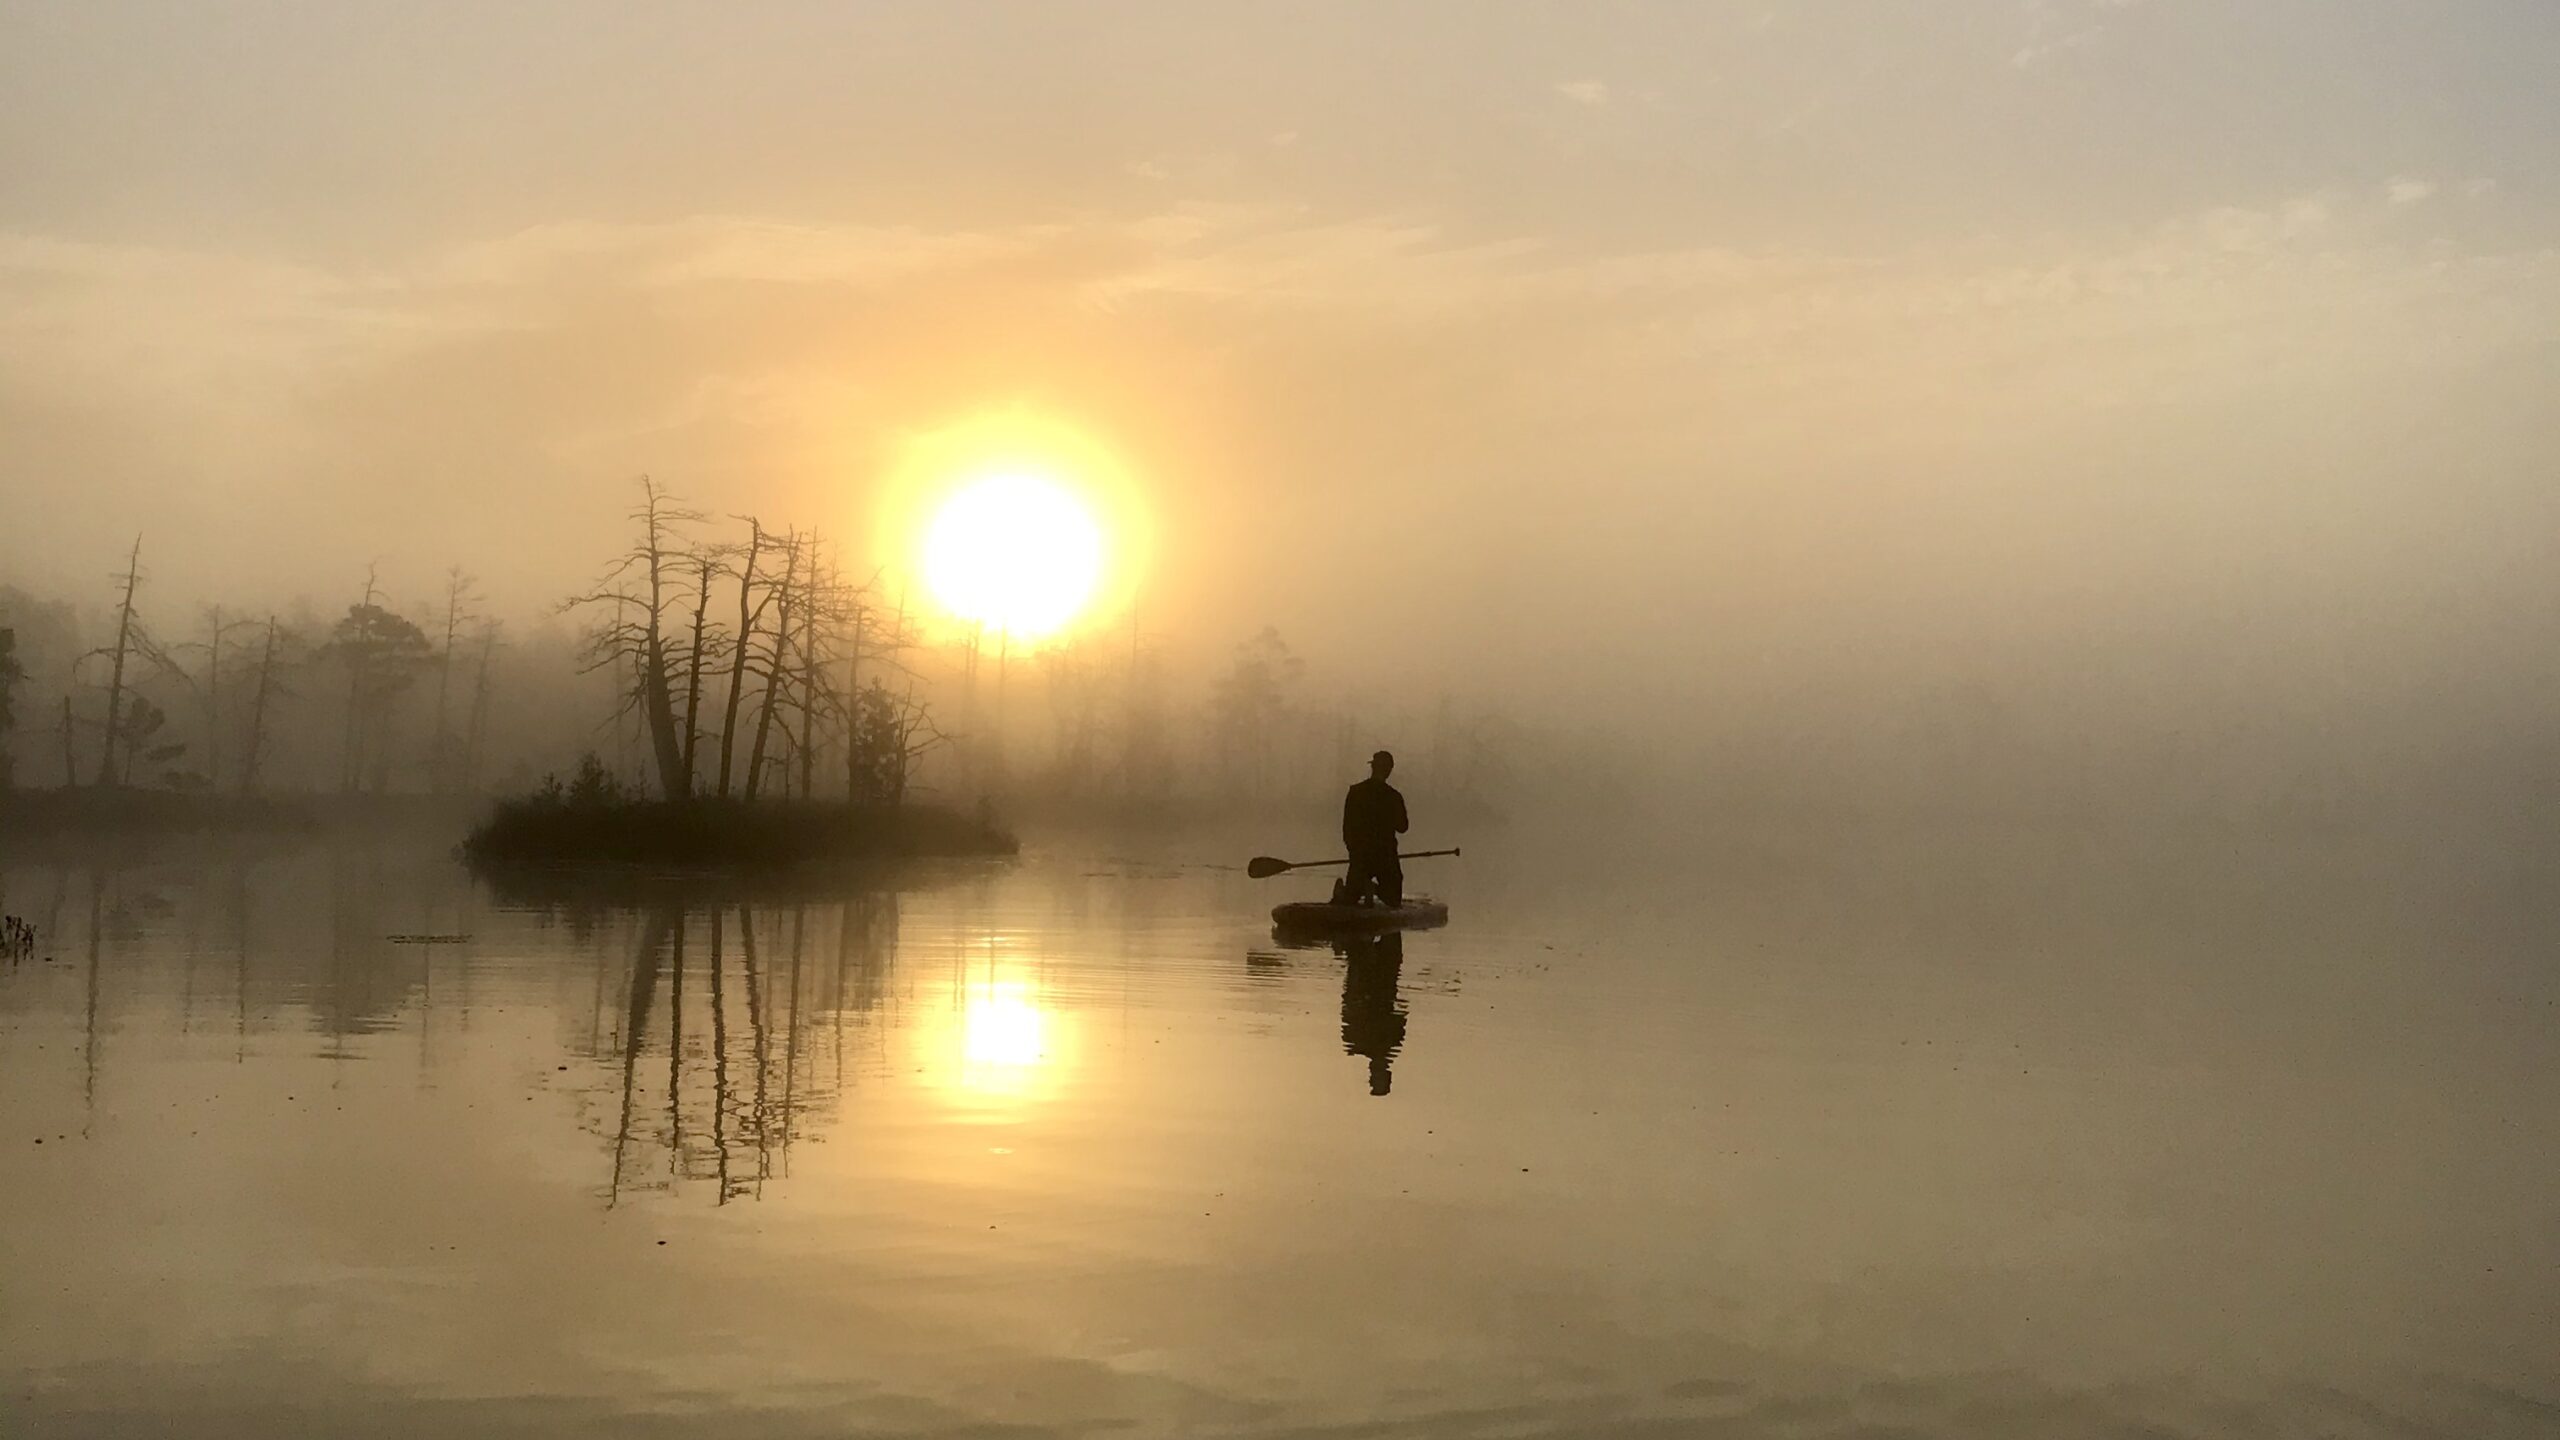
747 619
258 711
213 703
776 667
132 577
351 751
853 707
457 596
809 672
693 667
656 703
642 642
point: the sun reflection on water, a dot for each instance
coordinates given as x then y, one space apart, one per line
1003 1030
1002 1046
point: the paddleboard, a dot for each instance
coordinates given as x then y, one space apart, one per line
1317 917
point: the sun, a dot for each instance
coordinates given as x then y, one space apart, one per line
1016 552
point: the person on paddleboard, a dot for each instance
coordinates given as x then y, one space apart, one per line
1372 817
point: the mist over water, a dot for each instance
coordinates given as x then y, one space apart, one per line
645 654
1981 1132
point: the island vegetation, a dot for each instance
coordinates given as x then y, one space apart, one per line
595 819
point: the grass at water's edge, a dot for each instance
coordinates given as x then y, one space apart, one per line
543 830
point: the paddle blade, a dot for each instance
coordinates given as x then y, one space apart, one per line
1263 867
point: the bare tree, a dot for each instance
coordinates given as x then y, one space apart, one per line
270 656
208 689
351 734
750 614
635 628
776 659
132 578
820 595
11 672
477 734
705 561
461 594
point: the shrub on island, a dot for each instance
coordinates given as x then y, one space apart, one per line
595 819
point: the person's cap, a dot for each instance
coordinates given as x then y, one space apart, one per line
1382 755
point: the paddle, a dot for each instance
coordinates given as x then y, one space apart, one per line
1263 867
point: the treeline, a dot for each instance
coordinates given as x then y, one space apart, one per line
243 702
728 660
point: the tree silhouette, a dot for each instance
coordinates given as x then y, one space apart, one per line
206 684
142 726
634 629
11 672
382 654
461 596
890 734
262 696
127 639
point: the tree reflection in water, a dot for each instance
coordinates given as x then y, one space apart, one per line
711 1028
734 1094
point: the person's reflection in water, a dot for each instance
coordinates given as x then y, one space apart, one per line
1373 1016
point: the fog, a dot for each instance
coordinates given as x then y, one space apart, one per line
2064 404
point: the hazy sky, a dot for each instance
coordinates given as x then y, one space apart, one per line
1651 345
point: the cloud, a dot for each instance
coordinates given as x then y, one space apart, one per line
1592 93
111 314
2058 27
744 345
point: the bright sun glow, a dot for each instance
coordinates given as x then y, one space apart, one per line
1014 552
1006 1049
1002 1029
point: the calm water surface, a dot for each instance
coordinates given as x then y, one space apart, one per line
1981 1135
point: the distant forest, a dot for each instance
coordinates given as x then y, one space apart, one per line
730 659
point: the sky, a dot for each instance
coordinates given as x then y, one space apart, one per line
1635 357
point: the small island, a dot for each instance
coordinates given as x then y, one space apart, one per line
595 820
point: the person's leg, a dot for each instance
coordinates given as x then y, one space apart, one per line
1390 882
1365 878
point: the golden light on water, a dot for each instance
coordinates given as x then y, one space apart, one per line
1015 552
1002 1030
1000 1048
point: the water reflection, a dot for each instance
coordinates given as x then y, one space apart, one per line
697 1040
1373 1006
1001 1032
1373 1016
751 1042
1035 1155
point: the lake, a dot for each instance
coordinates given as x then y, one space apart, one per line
1868 1132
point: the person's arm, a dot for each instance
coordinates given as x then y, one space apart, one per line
1400 817
1350 817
